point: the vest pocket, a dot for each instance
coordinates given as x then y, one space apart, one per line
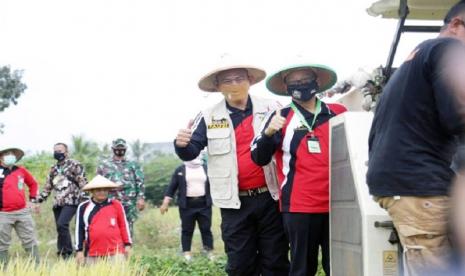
220 183
219 141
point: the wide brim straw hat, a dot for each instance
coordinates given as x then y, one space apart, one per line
100 182
326 77
17 152
208 82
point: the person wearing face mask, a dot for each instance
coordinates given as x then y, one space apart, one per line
194 202
15 211
66 179
297 136
130 176
246 193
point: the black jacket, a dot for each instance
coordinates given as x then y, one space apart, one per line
178 182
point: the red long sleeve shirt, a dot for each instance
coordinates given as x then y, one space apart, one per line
102 228
12 194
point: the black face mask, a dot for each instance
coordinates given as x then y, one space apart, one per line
303 92
60 156
119 152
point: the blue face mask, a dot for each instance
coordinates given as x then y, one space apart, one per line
9 160
303 92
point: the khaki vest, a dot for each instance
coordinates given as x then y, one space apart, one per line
222 159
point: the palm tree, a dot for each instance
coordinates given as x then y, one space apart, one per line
138 149
86 151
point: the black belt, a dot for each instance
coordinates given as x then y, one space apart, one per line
194 198
253 192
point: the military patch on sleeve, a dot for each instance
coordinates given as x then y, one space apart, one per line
222 123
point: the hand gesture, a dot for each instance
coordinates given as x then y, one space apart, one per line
164 205
276 123
184 135
80 257
140 204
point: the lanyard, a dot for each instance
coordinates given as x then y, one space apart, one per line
302 118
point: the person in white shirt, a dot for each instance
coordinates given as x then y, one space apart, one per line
195 204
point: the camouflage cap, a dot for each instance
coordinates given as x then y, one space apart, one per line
119 143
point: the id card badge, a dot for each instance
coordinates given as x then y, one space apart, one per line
313 145
57 179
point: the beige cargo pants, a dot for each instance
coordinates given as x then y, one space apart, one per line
421 223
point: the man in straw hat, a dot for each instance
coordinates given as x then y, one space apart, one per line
14 211
298 137
251 226
102 229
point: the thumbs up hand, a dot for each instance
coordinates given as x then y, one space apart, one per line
184 135
276 123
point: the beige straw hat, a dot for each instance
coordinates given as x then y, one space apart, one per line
100 182
17 152
227 62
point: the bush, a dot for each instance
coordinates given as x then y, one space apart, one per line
158 174
173 265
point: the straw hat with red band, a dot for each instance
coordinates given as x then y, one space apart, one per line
325 76
100 182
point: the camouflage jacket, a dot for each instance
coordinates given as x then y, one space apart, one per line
127 173
67 180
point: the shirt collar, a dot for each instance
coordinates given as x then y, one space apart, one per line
101 203
306 113
235 110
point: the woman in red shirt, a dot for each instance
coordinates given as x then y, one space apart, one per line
101 225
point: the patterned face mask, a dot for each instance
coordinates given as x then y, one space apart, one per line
303 92
9 160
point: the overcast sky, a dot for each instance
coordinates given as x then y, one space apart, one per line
130 68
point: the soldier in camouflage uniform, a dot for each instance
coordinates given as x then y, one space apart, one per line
66 178
129 174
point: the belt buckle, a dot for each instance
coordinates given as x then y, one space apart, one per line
252 192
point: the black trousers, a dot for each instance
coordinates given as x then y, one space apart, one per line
196 211
63 215
306 233
254 238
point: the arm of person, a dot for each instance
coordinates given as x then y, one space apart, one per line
139 186
265 144
447 62
80 230
191 140
170 191
47 188
123 225
32 184
139 179
80 175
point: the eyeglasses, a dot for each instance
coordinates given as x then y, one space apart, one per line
232 80
301 81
